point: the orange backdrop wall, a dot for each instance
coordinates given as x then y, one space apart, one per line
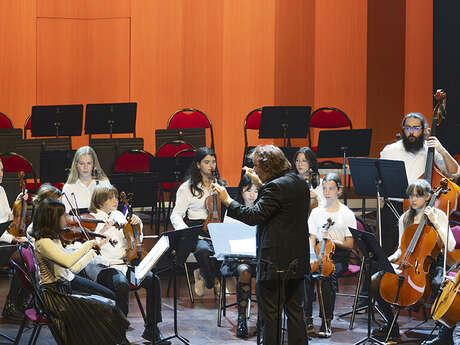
223 57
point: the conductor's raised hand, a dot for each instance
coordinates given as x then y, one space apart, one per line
222 193
253 176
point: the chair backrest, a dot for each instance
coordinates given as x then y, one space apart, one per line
172 148
190 118
133 161
5 121
27 125
252 121
26 268
328 117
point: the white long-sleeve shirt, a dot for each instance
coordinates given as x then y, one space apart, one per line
188 205
5 215
56 263
113 256
82 193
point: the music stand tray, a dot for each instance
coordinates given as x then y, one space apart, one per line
56 120
108 118
352 142
233 238
55 165
284 122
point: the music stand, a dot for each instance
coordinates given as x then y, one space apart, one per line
181 244
56 120
284 122
194 136
343 143
109 118
55 165
373 255
378 177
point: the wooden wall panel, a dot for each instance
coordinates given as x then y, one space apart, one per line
385 70
418 90
340 58
17 59
248 75
84 8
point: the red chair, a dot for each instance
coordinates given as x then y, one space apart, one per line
251 122
190 118
27 125
329 118
5 121
133 161
14 163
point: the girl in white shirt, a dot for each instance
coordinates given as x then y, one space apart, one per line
247 195
306 165
76 319
85 174
342 218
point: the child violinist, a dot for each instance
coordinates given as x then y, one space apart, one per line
337 218
419 193
111 269
77 319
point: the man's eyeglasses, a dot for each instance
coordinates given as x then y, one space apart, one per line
414 129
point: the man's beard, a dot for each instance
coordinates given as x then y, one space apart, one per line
412 146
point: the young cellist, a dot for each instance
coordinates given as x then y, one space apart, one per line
337 218
419 193
190 210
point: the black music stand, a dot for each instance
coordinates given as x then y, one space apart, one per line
381 178
56 120
181 244
284 122
55 165
109 118
343 143
374 257
194 136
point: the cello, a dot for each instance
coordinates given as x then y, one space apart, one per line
446 308
417 244
18 226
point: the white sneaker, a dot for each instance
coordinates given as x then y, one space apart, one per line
199 283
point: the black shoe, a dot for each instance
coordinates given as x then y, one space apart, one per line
361 306
148 332
242 328
10 312
381 332
310 327
444 337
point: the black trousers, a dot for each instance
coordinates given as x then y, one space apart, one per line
116 281
273 300
80 284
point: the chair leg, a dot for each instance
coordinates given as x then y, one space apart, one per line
221 301
35 333
20 331
141 308
189 285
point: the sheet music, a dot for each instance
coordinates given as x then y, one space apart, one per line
151 258
246 246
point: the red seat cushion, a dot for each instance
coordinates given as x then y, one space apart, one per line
253 120
352 270
329 118
456 232
5 122
189 119
133 162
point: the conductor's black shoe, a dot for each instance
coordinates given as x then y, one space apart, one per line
242 328
381 332
444 337
148 332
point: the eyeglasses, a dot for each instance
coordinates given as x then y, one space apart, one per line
414 129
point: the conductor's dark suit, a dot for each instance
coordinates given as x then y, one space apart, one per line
281 218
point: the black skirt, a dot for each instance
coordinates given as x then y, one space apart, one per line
83 319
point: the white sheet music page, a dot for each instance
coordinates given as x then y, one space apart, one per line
151 258
245 246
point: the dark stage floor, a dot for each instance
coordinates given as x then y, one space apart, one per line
198 322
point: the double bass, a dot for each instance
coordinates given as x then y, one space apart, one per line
417 244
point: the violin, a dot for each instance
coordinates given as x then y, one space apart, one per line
446 308
417 244
310 177
18 226
134 253
71 235
324 250
87 220
213 206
